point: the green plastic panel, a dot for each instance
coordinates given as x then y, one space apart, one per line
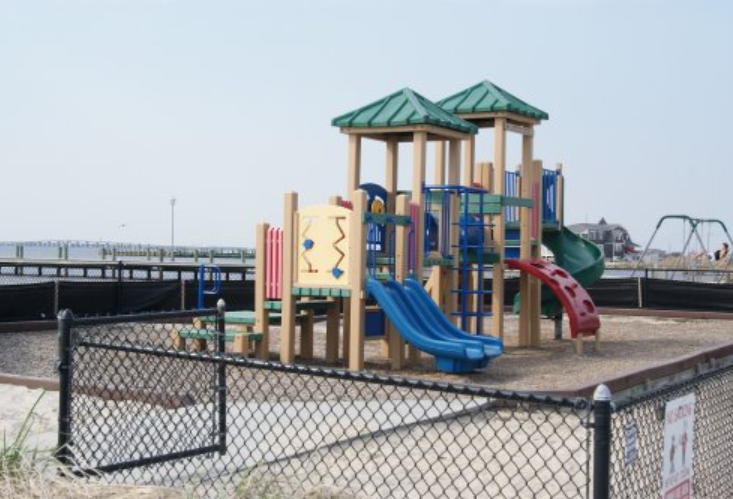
437 262
488 258
386 219
485 97
322 292
404 107
208 334
301 305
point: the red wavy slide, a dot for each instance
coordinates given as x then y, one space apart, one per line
575 299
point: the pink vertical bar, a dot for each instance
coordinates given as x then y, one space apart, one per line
268 263
279 266
273 264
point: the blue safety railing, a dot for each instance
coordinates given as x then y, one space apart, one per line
380 248
473 245
549 196
511 189
215 273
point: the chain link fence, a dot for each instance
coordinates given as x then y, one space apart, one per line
637 472
161 399
157 400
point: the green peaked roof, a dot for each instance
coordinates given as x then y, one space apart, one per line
485 97
405 107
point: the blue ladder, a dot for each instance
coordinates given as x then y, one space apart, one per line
215 272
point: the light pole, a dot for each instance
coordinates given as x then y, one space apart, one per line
173 227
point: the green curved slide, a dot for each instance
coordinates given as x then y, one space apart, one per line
580 257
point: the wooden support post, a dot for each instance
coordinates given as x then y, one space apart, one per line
420 140
287 327
357 267
469 158
306 335
418 179
579 344
262 316
346 336
396 348
525 244
536 252
439 170
354 173
474 304
499 230
438 273
391 168
241 344
332 332
177 341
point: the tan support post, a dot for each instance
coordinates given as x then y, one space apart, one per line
439 170
396 343
497 296
354 174
391 173
262 315
419 143
287 329
391 166
454 174
418 179
469 158
306 334
438 273
474 299
525 240
357 267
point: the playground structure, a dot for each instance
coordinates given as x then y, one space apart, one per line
691 227
423 256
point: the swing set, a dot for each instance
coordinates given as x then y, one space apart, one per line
691 227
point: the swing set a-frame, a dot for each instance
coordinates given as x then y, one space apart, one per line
696 227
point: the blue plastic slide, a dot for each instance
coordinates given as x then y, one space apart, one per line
493 347
415 319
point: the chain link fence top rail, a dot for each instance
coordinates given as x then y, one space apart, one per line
150 414
712 465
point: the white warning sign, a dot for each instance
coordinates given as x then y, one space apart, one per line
679 434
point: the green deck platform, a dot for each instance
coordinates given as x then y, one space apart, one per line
210 335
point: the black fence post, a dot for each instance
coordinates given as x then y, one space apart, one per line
118 288
601 442
645 289
65 323
221 379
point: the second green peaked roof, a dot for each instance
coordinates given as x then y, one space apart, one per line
405 107
485 97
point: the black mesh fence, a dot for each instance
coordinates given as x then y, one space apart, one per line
34 291
664 289
219 424
637 469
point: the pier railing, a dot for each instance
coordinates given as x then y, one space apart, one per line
36 291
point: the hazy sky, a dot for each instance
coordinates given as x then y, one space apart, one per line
108 108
